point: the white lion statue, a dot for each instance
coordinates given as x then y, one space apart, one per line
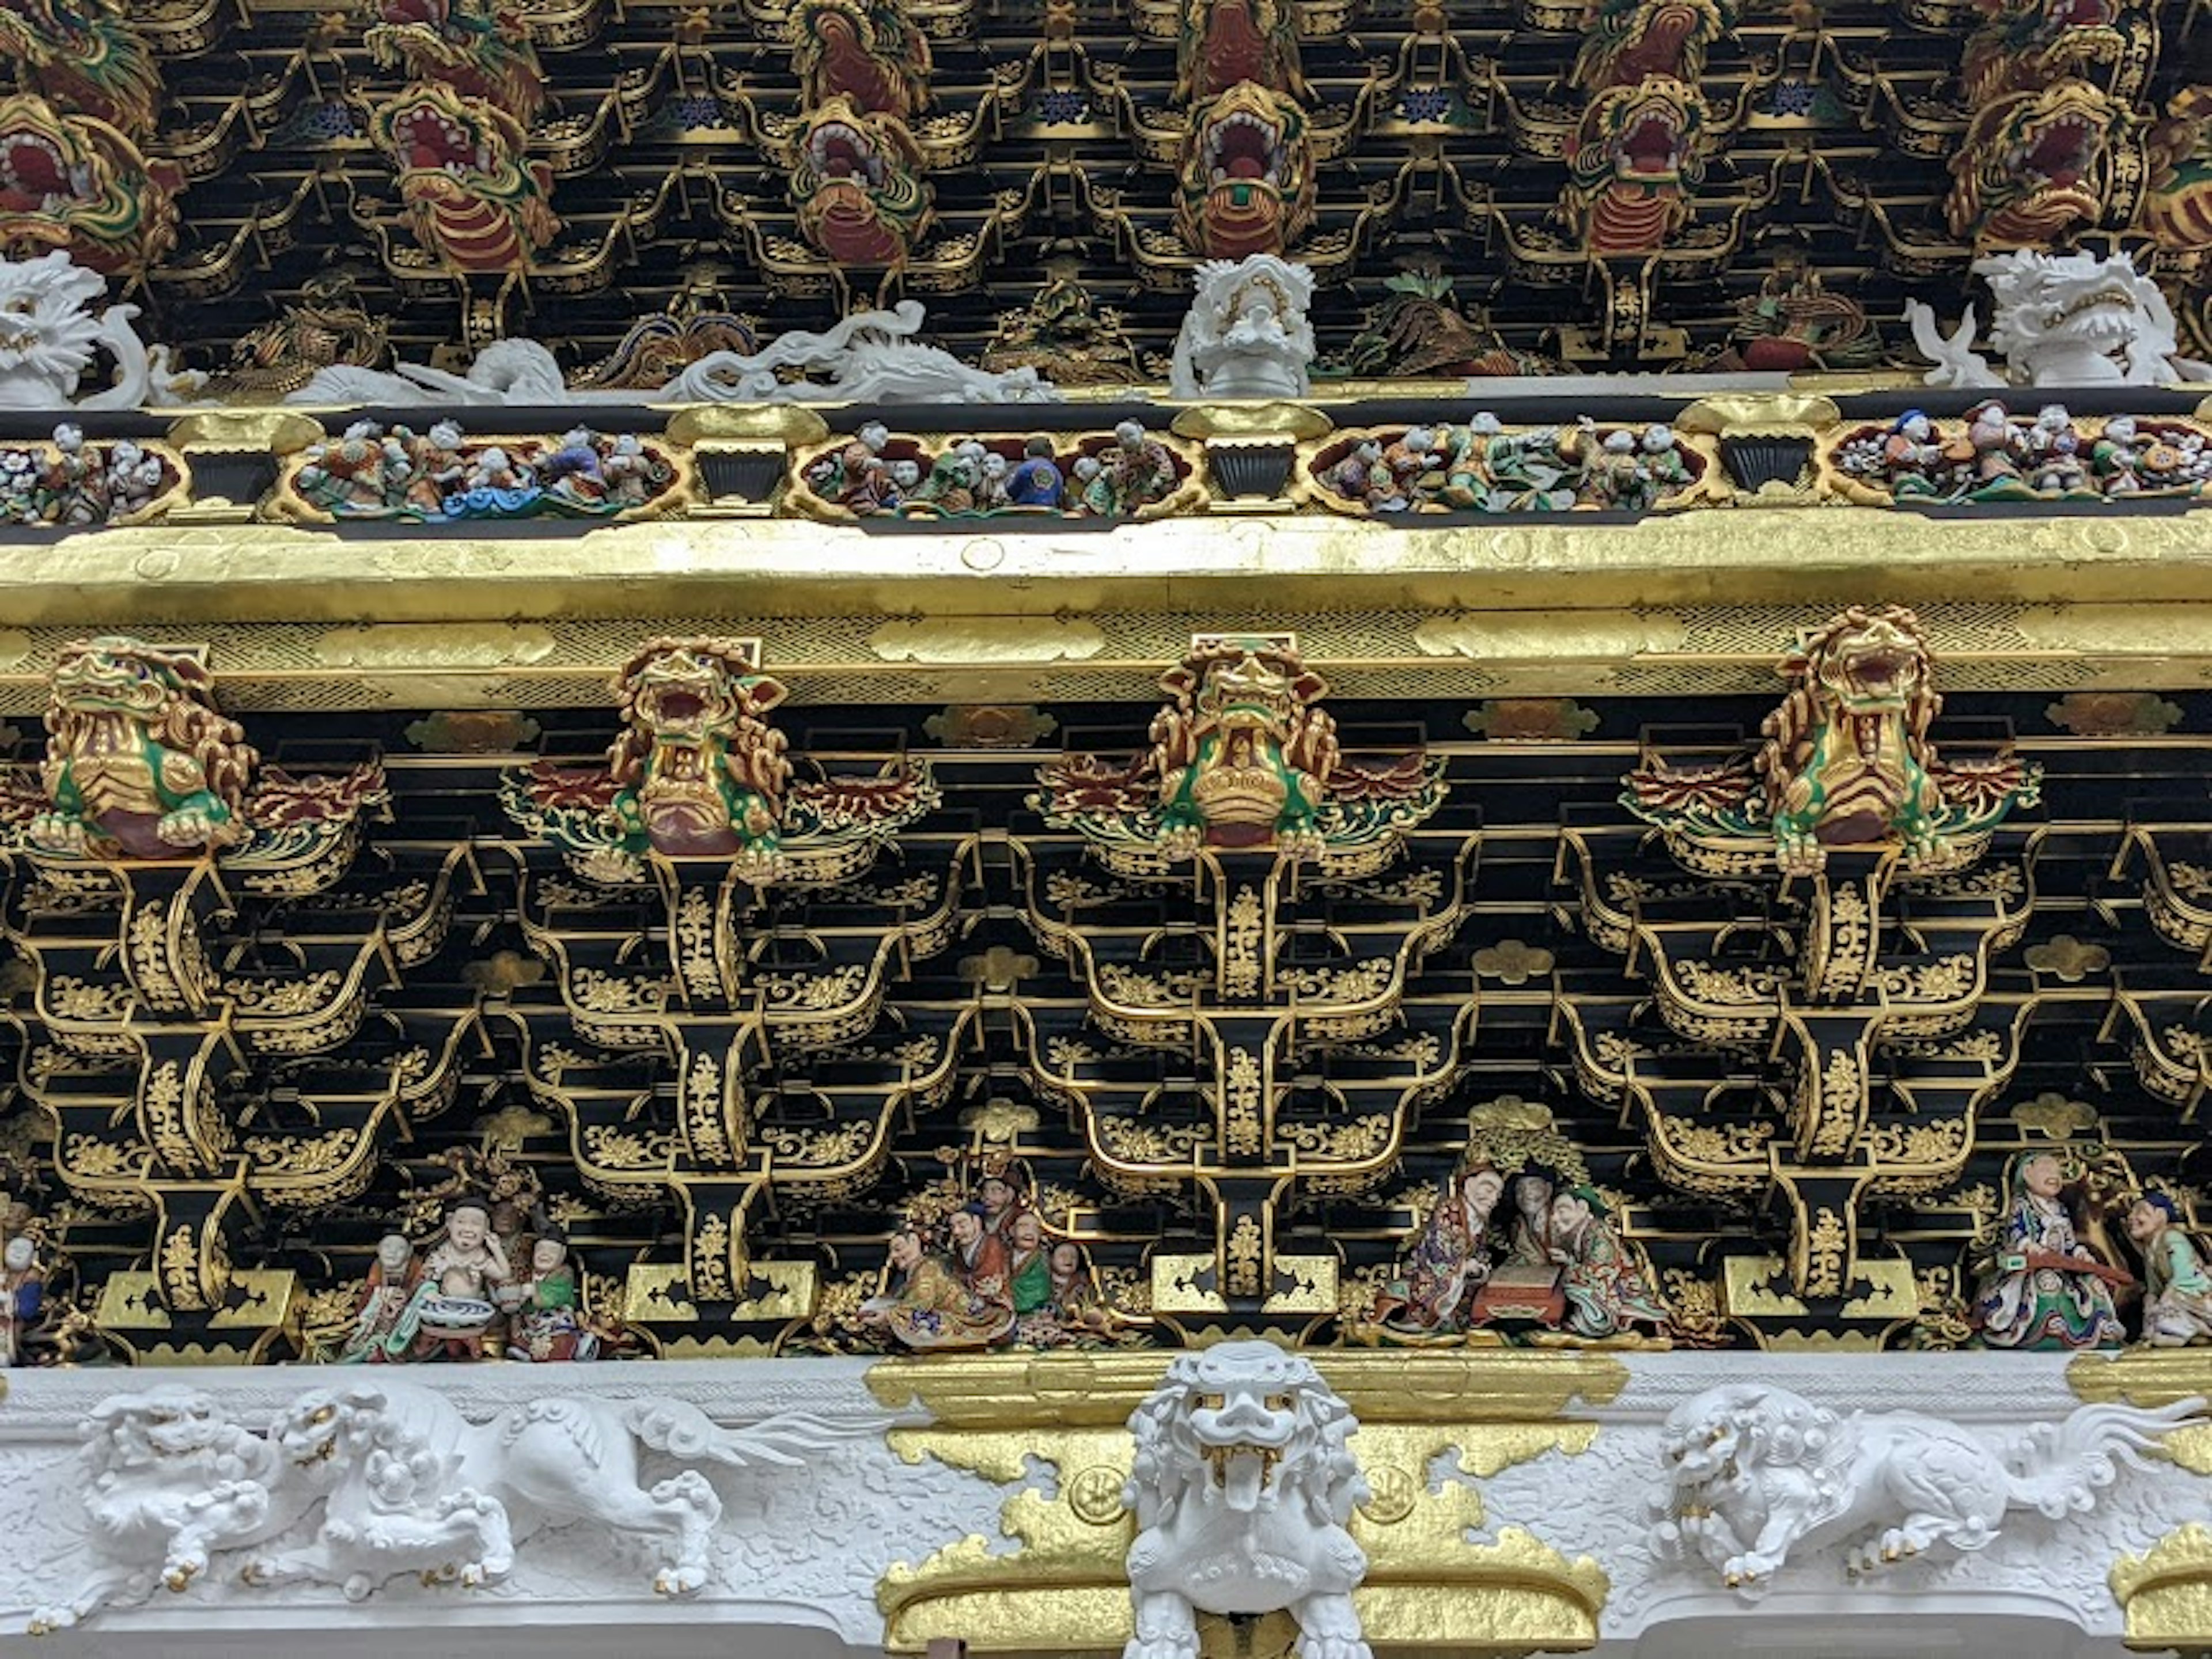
168 1480
1246 334
50 333
409 1486
2068 319
1241 1484
1755 1472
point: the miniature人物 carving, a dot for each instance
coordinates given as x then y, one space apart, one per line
2177 1284
1754 1474
2044 1288
1242 1484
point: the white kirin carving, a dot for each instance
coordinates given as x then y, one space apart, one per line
167 1481
50 334
1242 1484
870 357
409 1486
1754 1473
404 1484
2061 320
1246 334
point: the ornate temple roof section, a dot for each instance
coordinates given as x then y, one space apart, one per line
1613 185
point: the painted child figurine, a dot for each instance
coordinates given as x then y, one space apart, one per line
2046 1289
548 1322
2177 1288
384 1330
22 1298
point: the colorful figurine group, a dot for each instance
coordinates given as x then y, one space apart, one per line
1994 455
987 1274
1553 1260
22 1286
1480 467
2044 1286
439 476
79 485
481 1289
874 475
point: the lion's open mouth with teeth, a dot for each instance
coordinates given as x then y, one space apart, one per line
1650 149
1245 183
2031 165
433 141
858 185
35 177
1241 1435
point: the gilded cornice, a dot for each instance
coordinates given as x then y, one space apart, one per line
1065 1590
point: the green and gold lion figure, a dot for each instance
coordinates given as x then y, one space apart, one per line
140 764
698 773
1846 762
1243 759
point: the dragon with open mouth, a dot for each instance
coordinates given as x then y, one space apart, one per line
473 198
868 51
857 182
2034 166
478 47
1247 184
1628 41
2024 45
1635 156
1224 43
86 57
75 183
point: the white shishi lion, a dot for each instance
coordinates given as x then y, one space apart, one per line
1755 1473
1242 1483
410 1486
168 1480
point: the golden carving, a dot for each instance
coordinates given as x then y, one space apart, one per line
1065 1591
2166 1593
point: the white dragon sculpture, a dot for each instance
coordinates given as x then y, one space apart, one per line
870 357
50 336
1246 334
1755 1473
1242 1484
2068 319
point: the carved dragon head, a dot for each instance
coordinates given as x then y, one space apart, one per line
74 182
857 182
2045 300
2034 165
49 329
1224 42
2022 44
474 197
1634 159
480 47
1247 175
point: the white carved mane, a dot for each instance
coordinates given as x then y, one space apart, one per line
1316 1468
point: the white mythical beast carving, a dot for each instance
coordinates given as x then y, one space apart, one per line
2061 320
50 334
1241 1484
1754 1473
870 357
168 1480
1246 333
409 1486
